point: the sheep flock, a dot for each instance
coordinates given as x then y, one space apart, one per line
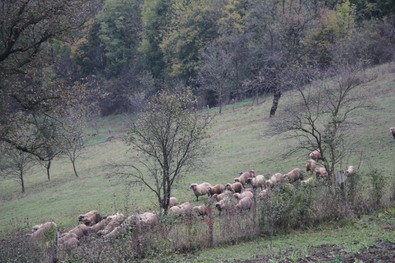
238 196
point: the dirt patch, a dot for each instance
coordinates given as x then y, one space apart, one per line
380 252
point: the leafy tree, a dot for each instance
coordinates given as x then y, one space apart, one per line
278 30
169 139
155 17
192 26
120 25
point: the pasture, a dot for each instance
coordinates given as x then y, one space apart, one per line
240 140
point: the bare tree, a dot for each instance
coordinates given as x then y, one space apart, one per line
14 164
169 139
72 138
321 118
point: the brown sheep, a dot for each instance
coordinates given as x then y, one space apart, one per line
182 210
275 179
225 194
38 231
115 221
321 172
68 242
80 230
216 189
392 130
91 218
235 187
264 193
294 175
243 194
258 181
224 205
200 189
311 165
245 203
315 155
99 226
200 210
244 176
173 202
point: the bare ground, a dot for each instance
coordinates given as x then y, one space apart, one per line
380 252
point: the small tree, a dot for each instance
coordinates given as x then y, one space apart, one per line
72 138
169 139
15 164
322 116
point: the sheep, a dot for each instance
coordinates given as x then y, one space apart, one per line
216 189
244 204
68 242
80 230
149 219
235 187
115 221
264 193
173 201
219 197
182 210
91 218
392 130
257 181
224 205
321 172
99 226
308 181
350 170
276 178
315 155
311 165
200 189
294 175
38 231
244 194
200 210
244 176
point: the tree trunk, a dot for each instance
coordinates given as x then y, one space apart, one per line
22 181
48 166
276 98
74 168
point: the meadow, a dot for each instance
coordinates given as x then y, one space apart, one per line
240 139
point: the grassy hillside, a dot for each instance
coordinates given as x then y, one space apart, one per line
239 141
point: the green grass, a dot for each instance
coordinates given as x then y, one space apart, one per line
239 141
352 236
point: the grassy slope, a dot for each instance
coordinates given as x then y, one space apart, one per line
239 142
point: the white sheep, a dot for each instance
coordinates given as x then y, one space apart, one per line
200 210
225 194
258 181
200 189
115 221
